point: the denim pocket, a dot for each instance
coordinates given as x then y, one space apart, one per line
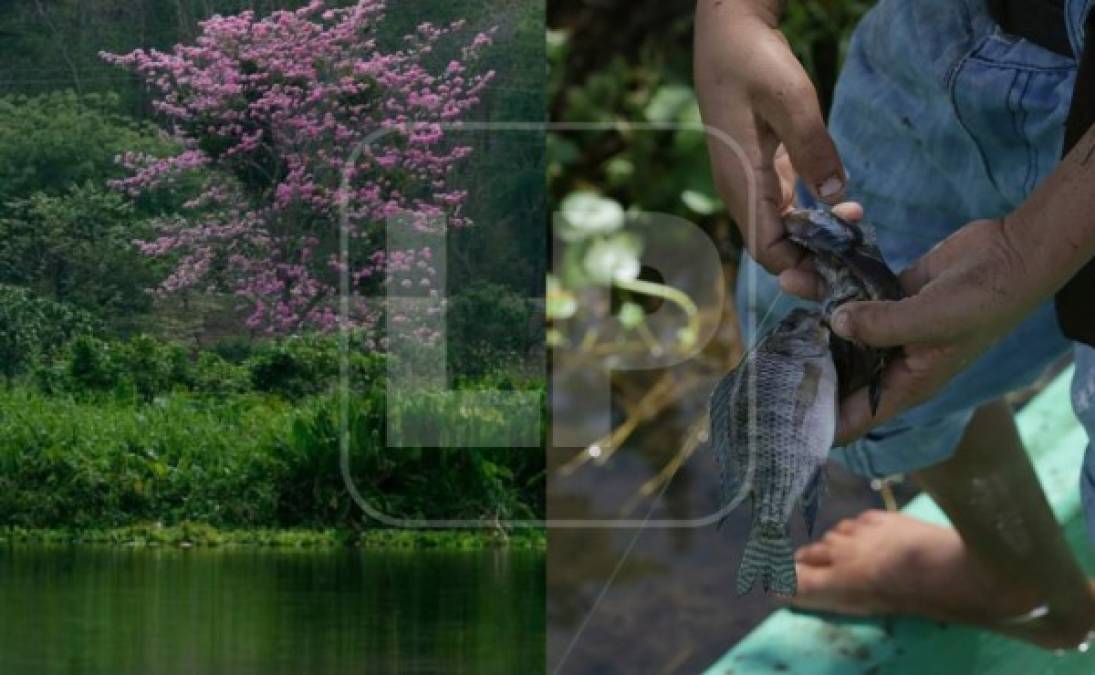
1011 98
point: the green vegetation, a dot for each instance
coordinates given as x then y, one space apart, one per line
114 432
77 248
50 143
33 328
195 534
119 407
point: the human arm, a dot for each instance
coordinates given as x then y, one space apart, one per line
754 92
973 288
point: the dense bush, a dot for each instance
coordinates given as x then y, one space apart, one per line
32 328
141 367
52 142
144 367
490 326
244 461
77 247
66 463
295 367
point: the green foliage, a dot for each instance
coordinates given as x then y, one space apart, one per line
490 326
241 461
215 376
619 61
32 328
66 463
295 367
300 366
53 142
123 431
143 367
409 482
77 247
91 366
155 366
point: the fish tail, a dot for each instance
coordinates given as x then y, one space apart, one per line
769 558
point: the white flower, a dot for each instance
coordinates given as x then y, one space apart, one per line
587 214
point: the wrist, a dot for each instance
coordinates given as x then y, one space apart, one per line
1048 252
768 12
1055 226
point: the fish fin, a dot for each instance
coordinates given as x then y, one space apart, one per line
811 500
768 557
875 393
725 516
721 400
874 390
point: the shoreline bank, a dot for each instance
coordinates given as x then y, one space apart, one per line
198 535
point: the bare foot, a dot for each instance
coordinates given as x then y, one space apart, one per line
888 563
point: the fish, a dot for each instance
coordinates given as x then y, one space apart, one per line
848 259
773 418
773 421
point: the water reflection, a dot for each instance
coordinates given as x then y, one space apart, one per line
102 610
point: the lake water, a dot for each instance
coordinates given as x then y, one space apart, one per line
92 610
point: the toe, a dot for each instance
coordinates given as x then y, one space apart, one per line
846 526
811 582
819 589
814 555
872 516
835 538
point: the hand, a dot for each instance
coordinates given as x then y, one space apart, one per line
752 88
964 294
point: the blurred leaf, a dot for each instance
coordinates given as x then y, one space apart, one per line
668 103
701 203
631 315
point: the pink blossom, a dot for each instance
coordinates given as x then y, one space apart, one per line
280 115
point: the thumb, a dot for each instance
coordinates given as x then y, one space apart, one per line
883 323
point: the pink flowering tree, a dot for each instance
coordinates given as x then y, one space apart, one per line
297 123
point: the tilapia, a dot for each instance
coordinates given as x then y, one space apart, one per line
773 418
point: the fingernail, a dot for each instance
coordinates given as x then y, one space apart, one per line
830 187
841 324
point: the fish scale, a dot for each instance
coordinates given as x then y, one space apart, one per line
773 418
